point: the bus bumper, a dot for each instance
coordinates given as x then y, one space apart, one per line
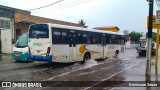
41 58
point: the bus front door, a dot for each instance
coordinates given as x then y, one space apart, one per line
72 46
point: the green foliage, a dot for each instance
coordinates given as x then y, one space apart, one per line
154 36
135 36
82 22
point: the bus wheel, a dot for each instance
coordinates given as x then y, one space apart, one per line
117 52
85 58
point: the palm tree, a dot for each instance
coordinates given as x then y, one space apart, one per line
82 22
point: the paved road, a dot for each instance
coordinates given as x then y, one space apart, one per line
128 67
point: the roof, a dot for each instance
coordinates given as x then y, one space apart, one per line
31 19
106 27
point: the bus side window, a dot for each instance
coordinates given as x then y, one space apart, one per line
64 37
123 39
79 37
118 39
93 38
96 38
112 39
55 36
107 38
72 37
89 38
86 37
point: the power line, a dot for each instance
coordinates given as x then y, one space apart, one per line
74 3
47 5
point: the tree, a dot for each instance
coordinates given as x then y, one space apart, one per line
135 36
154 36
82 22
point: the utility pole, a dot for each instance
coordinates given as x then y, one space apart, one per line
149 38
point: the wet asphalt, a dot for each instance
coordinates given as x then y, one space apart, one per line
127 67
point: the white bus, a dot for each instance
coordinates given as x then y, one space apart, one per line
60 43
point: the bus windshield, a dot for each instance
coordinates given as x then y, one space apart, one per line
22 41
39 31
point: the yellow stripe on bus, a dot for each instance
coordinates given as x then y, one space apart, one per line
43 54
47 42
82 49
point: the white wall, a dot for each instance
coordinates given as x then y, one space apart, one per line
129 45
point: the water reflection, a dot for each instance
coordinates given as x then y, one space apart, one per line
156 68
156 77
148 78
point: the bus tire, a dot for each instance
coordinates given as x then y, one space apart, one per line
117 52
86 57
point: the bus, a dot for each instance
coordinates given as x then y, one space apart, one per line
61 43
20 50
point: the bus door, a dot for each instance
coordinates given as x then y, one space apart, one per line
104 45
72 46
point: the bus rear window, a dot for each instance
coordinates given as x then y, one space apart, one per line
39 31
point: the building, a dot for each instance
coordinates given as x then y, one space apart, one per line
108 28
14 22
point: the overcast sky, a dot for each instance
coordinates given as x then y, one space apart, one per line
126 14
